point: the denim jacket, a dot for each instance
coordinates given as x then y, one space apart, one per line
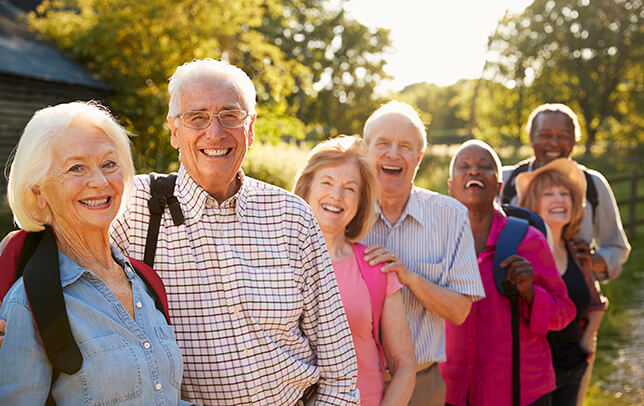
125 361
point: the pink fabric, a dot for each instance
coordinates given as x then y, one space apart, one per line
357 305
479 352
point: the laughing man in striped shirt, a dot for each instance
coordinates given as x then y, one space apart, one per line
251 290
427 239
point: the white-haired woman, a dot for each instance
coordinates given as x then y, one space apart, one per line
67 179
339 182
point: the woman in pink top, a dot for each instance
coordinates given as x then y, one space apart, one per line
340 184
478 370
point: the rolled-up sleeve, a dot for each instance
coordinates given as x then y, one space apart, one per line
609 235
325 324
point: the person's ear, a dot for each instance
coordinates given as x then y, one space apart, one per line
251 130
449 187
174 137
40 198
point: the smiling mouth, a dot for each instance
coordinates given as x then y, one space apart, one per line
474 183
557 210
553 154
391 170
216 152
332 209
95 203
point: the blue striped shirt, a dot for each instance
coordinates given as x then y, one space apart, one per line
432 238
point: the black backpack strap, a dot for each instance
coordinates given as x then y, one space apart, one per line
506 246
591 193
162 195
45 295
509 188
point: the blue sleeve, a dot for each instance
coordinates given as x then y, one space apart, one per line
26 371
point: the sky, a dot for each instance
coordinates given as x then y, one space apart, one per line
435 41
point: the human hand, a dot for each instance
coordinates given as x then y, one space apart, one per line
581 250
3 329
377 254
588 343
521 275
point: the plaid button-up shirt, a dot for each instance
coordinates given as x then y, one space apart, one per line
253 299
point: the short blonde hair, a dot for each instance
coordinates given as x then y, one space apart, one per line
530 200
334 152
401 109
30 166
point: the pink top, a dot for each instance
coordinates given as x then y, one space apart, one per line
357 305
479 352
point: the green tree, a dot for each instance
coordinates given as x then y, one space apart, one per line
584 53
135 47
345 60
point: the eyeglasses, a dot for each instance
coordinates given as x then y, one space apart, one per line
200 120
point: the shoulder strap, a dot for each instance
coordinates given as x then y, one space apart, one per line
506 246
521 212
376 283
154 284
45 295
591 193
161 191
509 189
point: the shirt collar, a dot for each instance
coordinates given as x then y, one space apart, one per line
412 209
70 271
194 199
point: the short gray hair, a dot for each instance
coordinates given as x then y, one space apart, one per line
201 69
399 108
555 108
30 166
480 144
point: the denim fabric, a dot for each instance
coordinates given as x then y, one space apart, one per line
125 361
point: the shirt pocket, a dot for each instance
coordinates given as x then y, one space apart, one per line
111 372
433 272
174 366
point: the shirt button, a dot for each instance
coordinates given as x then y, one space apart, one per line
146 345
158 386
245 352
139 305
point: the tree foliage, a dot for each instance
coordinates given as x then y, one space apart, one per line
587 54
291 51
345 60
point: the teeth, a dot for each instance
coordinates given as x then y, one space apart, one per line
331 208
215 152
558 210
474 182
94 202
552 154
391 168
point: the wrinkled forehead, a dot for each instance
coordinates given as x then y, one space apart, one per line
213 89
392 125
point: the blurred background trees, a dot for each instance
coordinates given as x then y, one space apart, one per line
314 68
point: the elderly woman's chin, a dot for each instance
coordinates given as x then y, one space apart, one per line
85 182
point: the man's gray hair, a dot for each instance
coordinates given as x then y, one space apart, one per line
202 69
398 108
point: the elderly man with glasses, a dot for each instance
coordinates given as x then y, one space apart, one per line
253 299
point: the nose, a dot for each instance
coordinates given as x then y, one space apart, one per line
97 178
215 129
